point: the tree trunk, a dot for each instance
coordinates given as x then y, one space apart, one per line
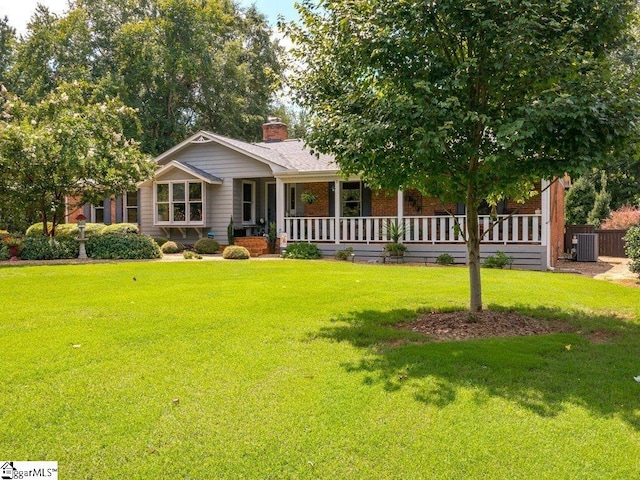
473 251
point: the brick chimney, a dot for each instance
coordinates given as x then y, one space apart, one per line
274 130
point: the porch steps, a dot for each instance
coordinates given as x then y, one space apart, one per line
256 245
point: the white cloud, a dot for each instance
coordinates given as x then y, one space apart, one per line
20 11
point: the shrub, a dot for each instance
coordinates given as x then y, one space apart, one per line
43 248
344 254
632 248
126 246
622 219
69 230
395 249
172 247
160 240
4 253
36 230
206 245
445 259
499 260
188 255
121 228
302 251
230 232
235 252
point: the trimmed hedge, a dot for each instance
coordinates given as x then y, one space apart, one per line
172 247
235 252
69 230
120 246
43 248
206 245
120 228
302 251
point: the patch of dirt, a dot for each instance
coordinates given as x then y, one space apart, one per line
612 269
600 336
461 325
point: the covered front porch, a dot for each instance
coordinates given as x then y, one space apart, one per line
504 229
345 215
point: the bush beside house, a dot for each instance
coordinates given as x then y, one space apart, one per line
127 246
302 251
44 248
235 252
118 241
632 248
206 246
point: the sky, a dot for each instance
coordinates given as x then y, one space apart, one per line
19 11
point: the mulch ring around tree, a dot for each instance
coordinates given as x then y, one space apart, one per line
460 325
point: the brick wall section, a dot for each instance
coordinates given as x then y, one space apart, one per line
557 222
384 203
73 210
319 208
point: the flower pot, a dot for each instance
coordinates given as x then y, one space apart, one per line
14 250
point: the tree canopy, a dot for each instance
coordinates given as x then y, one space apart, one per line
183 64
467 101
66 145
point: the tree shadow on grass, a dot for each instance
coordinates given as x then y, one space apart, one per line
592 368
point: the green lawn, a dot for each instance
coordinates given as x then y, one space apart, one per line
290 369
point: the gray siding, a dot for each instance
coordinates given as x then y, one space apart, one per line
526 257
224 163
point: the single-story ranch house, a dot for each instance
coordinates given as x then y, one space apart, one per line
205 181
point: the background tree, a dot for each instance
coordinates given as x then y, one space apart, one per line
601 205
622 179
579 201
7 47
466 101
66 145
183 64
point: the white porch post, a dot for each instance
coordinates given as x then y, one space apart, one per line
546 220
338 207
400 207
280 205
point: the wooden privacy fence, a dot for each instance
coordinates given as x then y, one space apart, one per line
610 242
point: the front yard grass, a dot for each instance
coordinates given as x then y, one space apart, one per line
294 370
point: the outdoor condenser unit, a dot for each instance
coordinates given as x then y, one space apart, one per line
587 247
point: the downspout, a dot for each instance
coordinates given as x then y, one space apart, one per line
546 222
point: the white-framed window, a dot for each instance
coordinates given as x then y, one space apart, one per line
130 207
179 202
97 212
351 199
248 202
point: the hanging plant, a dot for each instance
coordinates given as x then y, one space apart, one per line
308 197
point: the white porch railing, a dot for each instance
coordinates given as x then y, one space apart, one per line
435 229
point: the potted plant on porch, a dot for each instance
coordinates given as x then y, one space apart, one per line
396 248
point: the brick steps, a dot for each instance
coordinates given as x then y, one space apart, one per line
256 245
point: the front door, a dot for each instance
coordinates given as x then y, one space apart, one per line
271 204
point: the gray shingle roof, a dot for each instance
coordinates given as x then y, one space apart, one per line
289 154
201 172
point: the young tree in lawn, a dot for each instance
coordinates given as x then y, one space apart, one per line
466 101
67 146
